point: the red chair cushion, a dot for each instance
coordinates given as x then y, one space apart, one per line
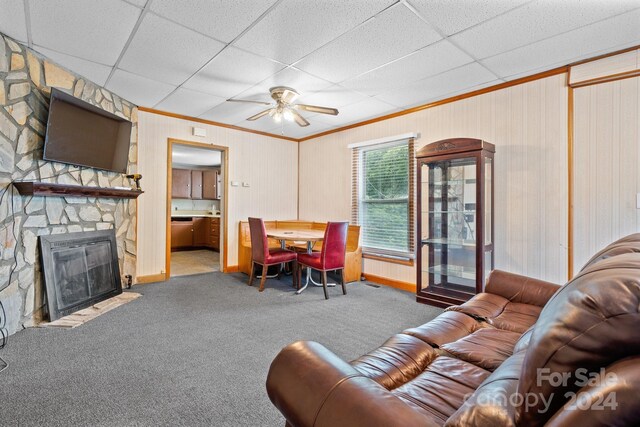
313 260
277 256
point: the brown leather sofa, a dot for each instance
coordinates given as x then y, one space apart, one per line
524 353
353 256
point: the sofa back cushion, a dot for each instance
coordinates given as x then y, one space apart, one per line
625 245
588 324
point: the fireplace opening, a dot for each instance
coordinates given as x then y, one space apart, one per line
80 269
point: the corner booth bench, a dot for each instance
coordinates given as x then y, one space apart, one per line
353 256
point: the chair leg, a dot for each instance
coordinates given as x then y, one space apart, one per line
252 274
294 274
279 275
264 277
299 274
324 284
344 287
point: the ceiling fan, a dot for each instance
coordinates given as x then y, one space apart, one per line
284 107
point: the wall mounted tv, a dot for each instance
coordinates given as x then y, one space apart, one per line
81 134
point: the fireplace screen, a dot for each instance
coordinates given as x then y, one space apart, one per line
80 269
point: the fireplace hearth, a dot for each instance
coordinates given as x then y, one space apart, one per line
80 269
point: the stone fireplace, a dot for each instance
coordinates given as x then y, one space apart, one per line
26 79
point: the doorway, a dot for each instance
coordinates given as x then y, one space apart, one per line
196 208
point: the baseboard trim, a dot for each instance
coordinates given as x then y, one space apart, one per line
405 286
161 277
231 269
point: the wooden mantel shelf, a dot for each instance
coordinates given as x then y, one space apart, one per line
48 189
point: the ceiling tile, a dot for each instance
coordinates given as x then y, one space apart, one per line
12 21
357 112
431 60
263 124
292 130
232 112
536 21
454 16
334 96
92 30
167 52
139 3
189 102
221 19
436 87
391 35
232 72
302 82
97 73
605 36
296 28
139 90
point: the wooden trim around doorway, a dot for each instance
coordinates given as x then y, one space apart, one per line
223 207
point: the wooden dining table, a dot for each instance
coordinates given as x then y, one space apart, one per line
301 235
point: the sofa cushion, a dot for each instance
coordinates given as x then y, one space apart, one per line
442 388
400 359
486 347
492 403
516 317
482 306
447 327
589 323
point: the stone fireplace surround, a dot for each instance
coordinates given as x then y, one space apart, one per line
26 79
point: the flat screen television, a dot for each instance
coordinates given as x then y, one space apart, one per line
81 134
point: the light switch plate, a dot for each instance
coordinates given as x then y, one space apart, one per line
245 184
234 183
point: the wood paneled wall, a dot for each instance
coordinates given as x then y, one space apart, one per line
528 125
607 165
269 165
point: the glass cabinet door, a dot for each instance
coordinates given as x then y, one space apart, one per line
449 226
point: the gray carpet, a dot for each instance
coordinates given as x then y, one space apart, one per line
191 351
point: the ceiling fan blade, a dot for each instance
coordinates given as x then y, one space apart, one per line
317 109
249 101
301 121
260 114
288 96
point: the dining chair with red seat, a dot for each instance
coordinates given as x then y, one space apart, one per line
330 257
262 255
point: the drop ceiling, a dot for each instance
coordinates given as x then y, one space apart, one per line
367 58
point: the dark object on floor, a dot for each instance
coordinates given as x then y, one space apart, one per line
524 353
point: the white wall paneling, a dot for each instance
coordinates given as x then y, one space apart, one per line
606 166
268 164
528 125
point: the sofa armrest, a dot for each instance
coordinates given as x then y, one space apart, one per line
311 386
520 289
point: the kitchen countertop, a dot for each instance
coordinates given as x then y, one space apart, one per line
179 214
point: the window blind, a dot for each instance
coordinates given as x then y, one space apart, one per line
382 197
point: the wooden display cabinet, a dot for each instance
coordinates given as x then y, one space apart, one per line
455 220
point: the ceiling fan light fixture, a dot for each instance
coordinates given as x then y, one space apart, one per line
288 115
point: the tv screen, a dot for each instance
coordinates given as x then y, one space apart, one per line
81 134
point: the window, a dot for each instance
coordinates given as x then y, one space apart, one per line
382 200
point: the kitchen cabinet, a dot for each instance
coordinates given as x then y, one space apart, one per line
200 231
214 234
180 183
210 185
196 185
181 234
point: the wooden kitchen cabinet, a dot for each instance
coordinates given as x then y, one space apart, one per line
210 185
181 234
196 185
200 231
180 183
214 233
